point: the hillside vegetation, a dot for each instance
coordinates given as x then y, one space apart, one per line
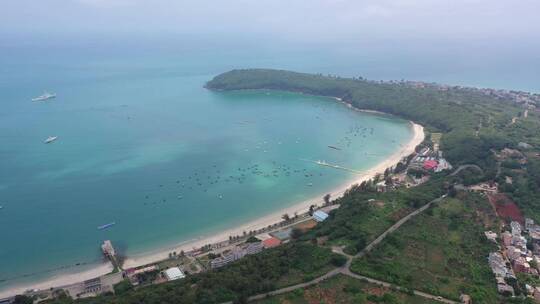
473 123
447 259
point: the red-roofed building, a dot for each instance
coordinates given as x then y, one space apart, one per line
271 243
430 164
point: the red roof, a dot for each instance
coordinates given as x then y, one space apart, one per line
430 164
271 242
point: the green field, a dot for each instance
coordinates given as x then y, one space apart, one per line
343 289
365 214
442 251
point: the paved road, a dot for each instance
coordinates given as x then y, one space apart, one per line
388 285
345 270
394 227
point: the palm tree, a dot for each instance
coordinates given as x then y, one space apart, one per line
286 217
327 199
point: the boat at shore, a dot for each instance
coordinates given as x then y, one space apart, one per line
50 139
44 96
106 226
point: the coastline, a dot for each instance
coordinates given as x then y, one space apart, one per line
262 222
59 280
272 218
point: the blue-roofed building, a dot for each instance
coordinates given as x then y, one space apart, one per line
320 215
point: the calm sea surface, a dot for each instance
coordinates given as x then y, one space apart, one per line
143 144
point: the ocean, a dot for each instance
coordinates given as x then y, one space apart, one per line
141 143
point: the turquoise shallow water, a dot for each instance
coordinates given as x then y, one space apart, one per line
134 135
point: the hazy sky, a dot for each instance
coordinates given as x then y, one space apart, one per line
306 20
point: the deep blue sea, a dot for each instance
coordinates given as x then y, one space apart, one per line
143 144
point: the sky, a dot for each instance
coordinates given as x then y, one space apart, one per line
302 20
496 42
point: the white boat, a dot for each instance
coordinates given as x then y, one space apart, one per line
44 96
50 139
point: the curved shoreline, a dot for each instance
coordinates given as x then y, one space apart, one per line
275 217
159 254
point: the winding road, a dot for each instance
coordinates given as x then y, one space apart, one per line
463 167
345 269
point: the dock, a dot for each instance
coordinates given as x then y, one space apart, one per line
323 163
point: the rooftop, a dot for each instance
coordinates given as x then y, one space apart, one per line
174 273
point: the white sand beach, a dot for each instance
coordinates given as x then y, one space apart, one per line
265 221
60 280
269 219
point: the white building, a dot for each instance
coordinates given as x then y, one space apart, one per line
320 216
236 254
174 273
516 228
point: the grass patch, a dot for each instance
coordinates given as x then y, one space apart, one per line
344 289
442 251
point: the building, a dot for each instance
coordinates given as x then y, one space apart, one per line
536 294
282 235
505 289
271 243
521 265
489 188
524 145
529 224
236 254
252 248
174 273
516 228
490 235
320 215
513 253
443 165
465 299
430 164
506 238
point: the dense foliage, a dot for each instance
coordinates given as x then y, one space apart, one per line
285 265
474 124
447 259
342 289
365 214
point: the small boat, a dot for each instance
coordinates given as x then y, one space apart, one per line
44 96
332 147
106 226
50 139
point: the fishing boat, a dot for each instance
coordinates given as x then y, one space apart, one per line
333 147
106 226
50 139
44 96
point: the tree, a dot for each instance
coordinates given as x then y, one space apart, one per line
285 217
327 199
296 233
21 299
311 208
338 260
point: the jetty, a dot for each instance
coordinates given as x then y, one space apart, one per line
109 252
324 163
